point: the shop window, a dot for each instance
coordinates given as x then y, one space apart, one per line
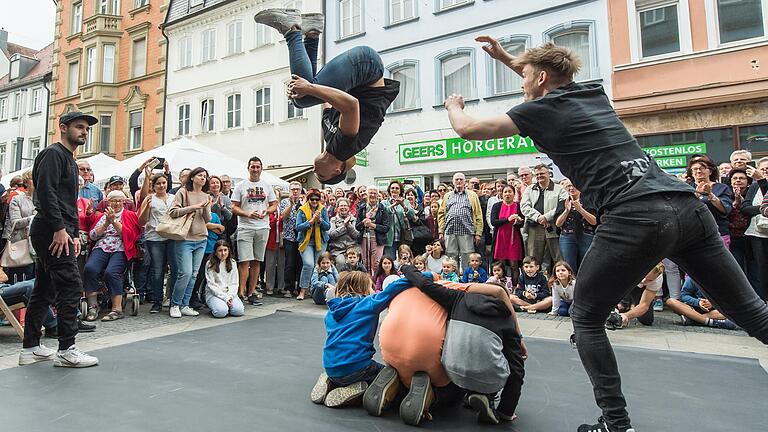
754 139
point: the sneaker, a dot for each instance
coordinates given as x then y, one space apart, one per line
381 392
531 311
518 308
156 308
415 405
188 311
35 354
253 299
312 23
485 412
614 321
167 303
282 20
600 426
684 320
85 327
658 305
175 312
287 294
507 418
320 390
344 396
725 324
74 358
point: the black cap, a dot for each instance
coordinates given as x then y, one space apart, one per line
73 115
115 179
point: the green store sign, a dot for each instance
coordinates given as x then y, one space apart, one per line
361 159
676 155
458 148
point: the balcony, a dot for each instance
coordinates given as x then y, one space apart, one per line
101 25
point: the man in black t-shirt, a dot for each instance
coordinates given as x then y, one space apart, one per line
352 88
647 215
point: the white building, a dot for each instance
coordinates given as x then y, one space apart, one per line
24 95
226 85
428 45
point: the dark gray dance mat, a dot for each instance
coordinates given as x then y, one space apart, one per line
255 375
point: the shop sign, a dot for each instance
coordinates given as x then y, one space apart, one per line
458 148
676 150
671 162
361 159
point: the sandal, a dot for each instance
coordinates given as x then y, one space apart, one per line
93 313
113 316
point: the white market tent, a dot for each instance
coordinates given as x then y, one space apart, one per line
100 163
186 153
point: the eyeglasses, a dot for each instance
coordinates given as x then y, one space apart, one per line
524 175
84 169
441 190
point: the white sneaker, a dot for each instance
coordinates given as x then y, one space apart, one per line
282 20
312 23
175 312
74 358
188 311
35 354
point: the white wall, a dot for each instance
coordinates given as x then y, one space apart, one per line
431 34
29 124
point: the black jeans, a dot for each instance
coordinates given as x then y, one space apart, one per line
293 264
631 239
58 282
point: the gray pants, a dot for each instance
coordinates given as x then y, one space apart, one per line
459 246
674 283
274 261
546 250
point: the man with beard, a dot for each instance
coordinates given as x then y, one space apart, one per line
54 235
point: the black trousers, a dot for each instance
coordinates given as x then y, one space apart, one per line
57 282
631 239
293 264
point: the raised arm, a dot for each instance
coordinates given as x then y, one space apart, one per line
470 128
498 53
346 104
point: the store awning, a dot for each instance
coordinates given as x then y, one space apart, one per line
290 173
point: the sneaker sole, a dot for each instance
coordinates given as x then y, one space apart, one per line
417 401
65 364
344 396
266 18
33 360
485 413
381 392
320 389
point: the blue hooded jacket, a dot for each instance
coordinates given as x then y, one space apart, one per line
351 324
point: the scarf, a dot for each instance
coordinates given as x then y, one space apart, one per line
314 229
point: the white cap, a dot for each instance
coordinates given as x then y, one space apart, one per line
388 280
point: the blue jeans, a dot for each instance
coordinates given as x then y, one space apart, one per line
21 292
111 268
309 258
367 374
564 309
161 253
573 250
189 254
741 249
356 67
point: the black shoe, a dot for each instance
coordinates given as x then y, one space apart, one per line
85 327
518 308
156 308
600 426
196 304
382 391
52 332
485 412
415 405
254 300
614 321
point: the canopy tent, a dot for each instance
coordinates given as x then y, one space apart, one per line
100 163
185 153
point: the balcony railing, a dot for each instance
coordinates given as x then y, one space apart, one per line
107 24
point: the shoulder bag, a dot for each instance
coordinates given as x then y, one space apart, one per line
175 228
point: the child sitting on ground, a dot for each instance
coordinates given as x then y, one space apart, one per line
695 308
222 283
562 284
501 279
386 268
351 323
419 263
404 256
353 261
324 277
435 256
449 270
475 273
532 293
638 302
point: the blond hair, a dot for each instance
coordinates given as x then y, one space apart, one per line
560 62
353 283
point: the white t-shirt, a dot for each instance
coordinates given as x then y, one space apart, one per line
253 196
435 265
157 208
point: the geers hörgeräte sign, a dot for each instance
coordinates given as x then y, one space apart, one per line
458 148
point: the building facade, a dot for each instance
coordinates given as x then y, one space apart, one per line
687 76
24 95
429 47
227 80
110 63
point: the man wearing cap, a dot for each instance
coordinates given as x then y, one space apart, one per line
54 235
116 183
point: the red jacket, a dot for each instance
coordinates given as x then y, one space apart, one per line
85 214
273 225
131 233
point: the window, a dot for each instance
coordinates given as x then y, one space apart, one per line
37 100
233 110
77 18
263 101
294 111
659 28
351 16
34 147
185 52
105 133
139 3
109 7
740 19
408 97
445 4
207 118
401 10
88 146
134 133
263 35
195 3
15 63
3 151
504 79
73 76
294 4
456 74
184 119
234 37
4 108
139 66
90 71
108 67
754 139
208 49
16 106
578 40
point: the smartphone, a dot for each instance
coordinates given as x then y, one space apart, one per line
158 163
752 164
408 181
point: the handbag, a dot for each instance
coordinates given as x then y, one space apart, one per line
17 253
175 228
